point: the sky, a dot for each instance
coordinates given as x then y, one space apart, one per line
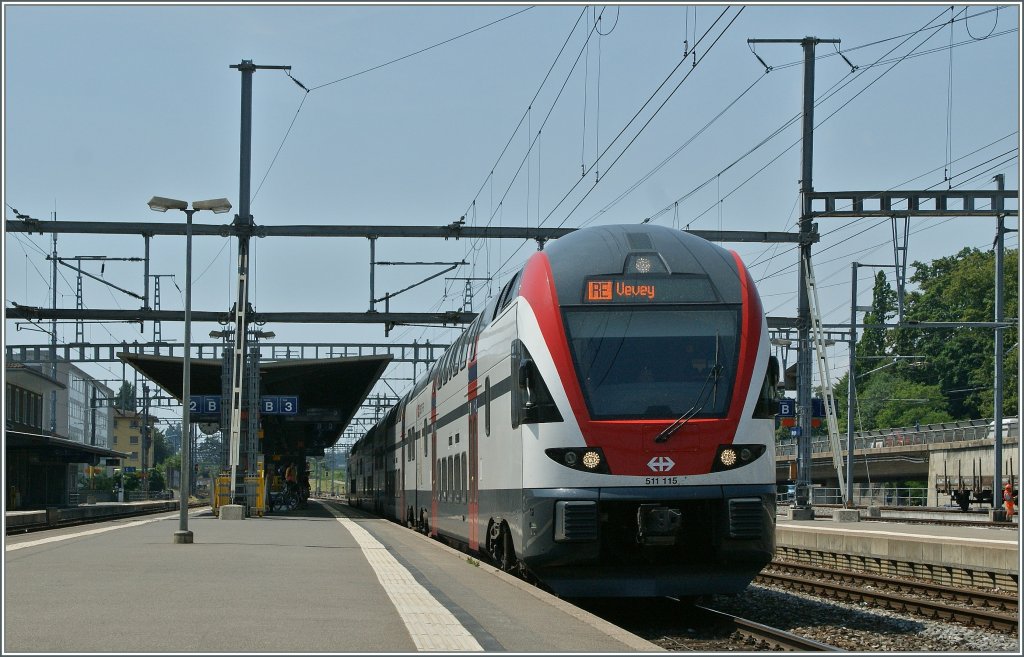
558 115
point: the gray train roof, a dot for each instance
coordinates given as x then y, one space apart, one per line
602 250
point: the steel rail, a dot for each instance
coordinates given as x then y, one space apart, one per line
774 637
928 608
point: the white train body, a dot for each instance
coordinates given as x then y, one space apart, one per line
605 425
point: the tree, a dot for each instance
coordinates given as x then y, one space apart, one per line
125 399
209 453
161 449
954 376
890 400
962 288
156 479
874 342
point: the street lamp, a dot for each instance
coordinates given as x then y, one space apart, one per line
218 206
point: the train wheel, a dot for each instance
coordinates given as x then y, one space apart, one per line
500 547
508 550
495 545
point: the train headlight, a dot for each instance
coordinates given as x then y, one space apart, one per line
729 457
586 459
645 263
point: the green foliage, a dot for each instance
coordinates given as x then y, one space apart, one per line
874 342
955 377
156 480
209 451
889 400
125 399
961 361
161 448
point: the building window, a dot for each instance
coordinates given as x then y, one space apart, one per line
134 440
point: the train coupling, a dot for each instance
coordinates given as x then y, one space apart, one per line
657 525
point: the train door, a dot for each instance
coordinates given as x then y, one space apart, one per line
432 458
422 468
499 450
400 510
472 483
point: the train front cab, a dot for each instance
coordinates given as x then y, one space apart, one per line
712 529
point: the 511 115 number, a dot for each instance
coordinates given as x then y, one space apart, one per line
661 481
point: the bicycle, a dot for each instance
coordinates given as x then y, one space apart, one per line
286 500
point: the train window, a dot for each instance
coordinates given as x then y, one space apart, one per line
465 477
464 350
426 443
531 399
646 363
508 293
474 331
457 478
487 406
443 472
450 464
457 352
768 401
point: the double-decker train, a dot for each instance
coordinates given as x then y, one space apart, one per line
605 425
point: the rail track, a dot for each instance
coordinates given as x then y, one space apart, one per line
696 626
763 636
70 517
985 609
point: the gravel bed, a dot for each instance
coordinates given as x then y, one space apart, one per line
854 627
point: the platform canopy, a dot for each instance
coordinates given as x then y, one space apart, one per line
329 392
53 449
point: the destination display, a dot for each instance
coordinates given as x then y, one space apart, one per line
647 289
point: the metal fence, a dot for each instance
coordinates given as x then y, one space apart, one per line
873 495
925 434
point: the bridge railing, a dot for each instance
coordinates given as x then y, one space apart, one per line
871 496
925 434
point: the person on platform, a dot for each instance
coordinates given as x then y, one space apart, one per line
291 478
269 488
1008 500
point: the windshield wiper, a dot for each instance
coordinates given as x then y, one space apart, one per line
698 405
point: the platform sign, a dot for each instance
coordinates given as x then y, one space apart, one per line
204 404
289 405
269 404
787 407
279 405
211 404
129 469
794 431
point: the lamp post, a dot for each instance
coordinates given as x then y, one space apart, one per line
218 206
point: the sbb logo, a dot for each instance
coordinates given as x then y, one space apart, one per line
661 464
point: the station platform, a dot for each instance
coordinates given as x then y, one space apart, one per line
984 556
328 579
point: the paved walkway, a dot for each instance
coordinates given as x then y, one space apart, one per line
329 579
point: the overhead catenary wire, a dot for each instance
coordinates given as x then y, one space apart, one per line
625 127
308 90
849 78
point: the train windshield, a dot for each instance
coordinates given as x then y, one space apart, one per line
647 363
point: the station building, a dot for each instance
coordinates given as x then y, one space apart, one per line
53 427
